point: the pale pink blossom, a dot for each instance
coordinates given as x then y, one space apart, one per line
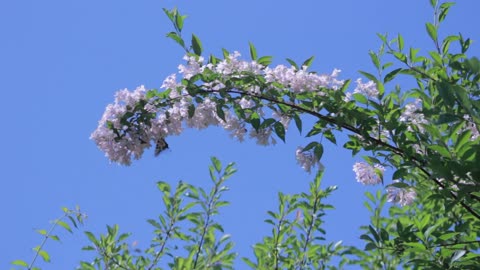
472 127
413 117
232 65
368 89
284 119
175 88
367 174
246 103
307 160
402 196
348 97
235 126
194 66
205 115
300 80
263 136
122 143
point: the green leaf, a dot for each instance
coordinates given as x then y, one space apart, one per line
225 53
436 57
196 45
464 99
430 230
216 162
360 98
387 65
382 37
298 122
367 238
291 62
368 75
370 197
442 150
400 42
92 238
265 60
65 226
398 185
253 51
446 118
370 246
328 134
170 14
400 56
154 223
44 255
384 234
444 10
448 235
463 139
220 112
20 263
279 130
458 254
42 232
179 21
446 43
176 38
88 248
191 110
432 31
164 187
255 120
415 247
391 75
399 174
446 93
318 151
310 146
308 62
375 60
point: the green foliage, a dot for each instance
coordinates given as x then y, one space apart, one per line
188 221
75 216
428 134
297 240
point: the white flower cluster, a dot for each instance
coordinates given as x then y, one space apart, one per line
379 132
121 143
307 160
472 127
302 80
372 175
412 117
131 142
402 196
367 174
368 89
233 65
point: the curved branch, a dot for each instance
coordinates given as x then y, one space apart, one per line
418 163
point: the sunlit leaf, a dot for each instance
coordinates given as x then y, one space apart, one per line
196 45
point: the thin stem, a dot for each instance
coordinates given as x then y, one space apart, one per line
276 243
207 223
45 240
111 259
164 243
309 231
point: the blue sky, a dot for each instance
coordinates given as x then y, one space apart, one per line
62 61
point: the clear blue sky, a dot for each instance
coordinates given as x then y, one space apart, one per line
62 61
